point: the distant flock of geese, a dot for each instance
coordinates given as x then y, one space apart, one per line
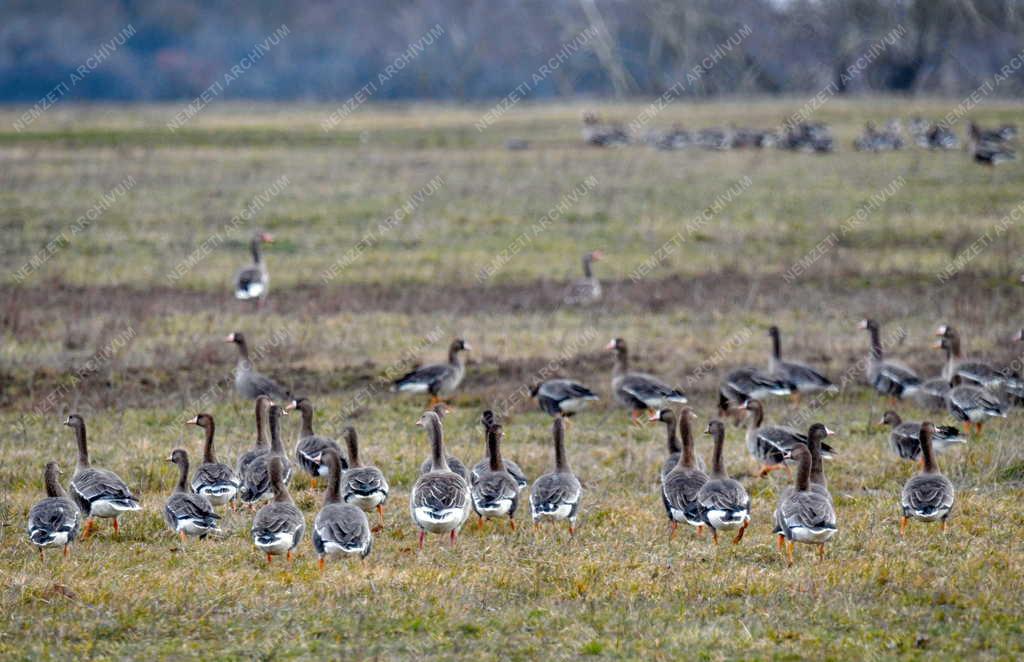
449 490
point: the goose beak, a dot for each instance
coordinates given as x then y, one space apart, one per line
743 405
170 458
829 431
284 412
229 338
291 405
597 255
863 324
1019 336
192 421
941 331
656 416
694 415
466 346
67 421
267 238
610 346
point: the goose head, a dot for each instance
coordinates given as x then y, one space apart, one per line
202 420
617 345
75 421
890 418
868 324
715 427
237 337
178 456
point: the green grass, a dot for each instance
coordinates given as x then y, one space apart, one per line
621 589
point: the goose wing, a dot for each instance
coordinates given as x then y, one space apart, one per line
725 494
803 375
92 484
186 506
439 491
250 282
213 473
343 525
423 379
564 389
553 490
493 487
680 490
277 517
364 481
807 509
649 390
53 515
927 494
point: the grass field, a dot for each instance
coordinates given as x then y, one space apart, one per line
120 324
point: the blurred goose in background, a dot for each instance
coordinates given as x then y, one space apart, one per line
440 379
587 290
602 135
55 520
249 383
637 390
874 140
253 282
992 155
339 528
556 495
804 515
364 486
889 378
905 437
495 491
489 422
745 384
278 526
439 501
255 477
683 480
977 373
310 446
771 444
262 445
973 404
929 495
188 513
213 480
98 492
802 377
724 503
562 397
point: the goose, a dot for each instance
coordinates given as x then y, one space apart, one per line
262 445
587 290
932 394
602 135
637 390
802 377
887 377
769 444
278 526
249 383
255 478
816 435
340 528
973 404
55 520
481 467
455 464
562 396
439 501
675 426
439 379
495 492
556 495
971 372
364 486
744 384
804 515
98 492
214 480
683 480
311 446
927 496
904 439
253 282
724 503
992 155
188 513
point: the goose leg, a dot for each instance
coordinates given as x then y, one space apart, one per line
320 563
739 536
453 536
700 531
943 528
512 522
479 523
422 535
117 529
313 482
288 556
789 553
572 530
672 530
89 523
780 542
380 516
67 551
433 401
903 526
181 534
821 553
41 557
714 535
270 559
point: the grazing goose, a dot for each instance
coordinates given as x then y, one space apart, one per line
488 421
637 390
804 515
587 290
971 372
904 439
98 492
770 444
683 480
278 526
675 427
255 478
439 379
887 377
929 495
55 520
745 384
188 513
253 282
495 492
556 495
214 480
802 377
439 501
249 383
365 486
262 445
339 528
562 396
310 446
724 503
973 404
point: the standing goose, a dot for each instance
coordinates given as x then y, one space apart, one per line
929 495
745 384
556 495
724 504
188 513
214 480
495 492
770 444
971 372
98 492
562 396
887 377
455 464
488 420
932 394
278 526
587 290
339 528
55 520
255 479
637 390
440 379
253 282
804 515
310 446
261 446
365 486
973 404
803 377
905 437
439 501
680 485
675 427
249 383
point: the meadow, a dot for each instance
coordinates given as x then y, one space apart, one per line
374 269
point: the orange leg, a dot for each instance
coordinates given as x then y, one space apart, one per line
512 522
636 417
433 401
739 536
789 553
672 530
572 530
452 537
479 523
320 563
89 524
768 468
943 526
714 535
181 534
422 536
903 526
380 516
288 556
312 481
67 551
117 529
780 542
700 531
821 552
41 557
270 559
796 398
